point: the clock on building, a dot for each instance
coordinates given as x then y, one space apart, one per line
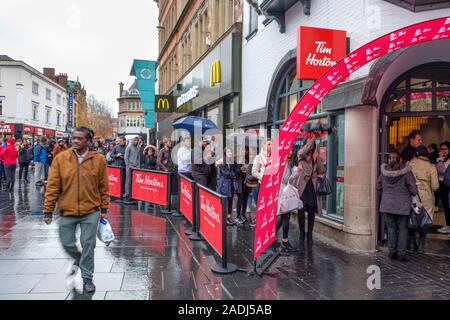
146 73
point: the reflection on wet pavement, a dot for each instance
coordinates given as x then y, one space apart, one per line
152 258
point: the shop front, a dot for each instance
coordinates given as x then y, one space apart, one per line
365 118
212 89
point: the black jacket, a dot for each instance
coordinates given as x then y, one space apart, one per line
407 153
25 155
119 162
149 162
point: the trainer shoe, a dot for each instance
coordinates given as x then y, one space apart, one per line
88 285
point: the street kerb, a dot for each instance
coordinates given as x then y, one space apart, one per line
212 209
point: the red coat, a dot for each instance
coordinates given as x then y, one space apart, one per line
9 155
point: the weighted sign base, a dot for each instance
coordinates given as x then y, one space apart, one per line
188 232
219 269
177 215
196 237
129 202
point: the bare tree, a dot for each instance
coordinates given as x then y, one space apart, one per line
100 117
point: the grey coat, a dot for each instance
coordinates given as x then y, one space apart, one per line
310 169
133 156
397 188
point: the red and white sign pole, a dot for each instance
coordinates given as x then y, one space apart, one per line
268 194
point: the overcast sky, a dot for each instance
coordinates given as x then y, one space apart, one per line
95 40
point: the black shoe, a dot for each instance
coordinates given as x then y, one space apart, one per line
421 247
230 222
239 221
392 255
88 285
412 244
287 247
244 220
404 258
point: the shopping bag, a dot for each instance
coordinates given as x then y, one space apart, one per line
324 186
104 232
419 217
289 199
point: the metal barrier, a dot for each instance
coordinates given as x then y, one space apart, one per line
153 187
212 214
116 177
187 192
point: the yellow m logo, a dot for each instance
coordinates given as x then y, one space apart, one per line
163 103
216 73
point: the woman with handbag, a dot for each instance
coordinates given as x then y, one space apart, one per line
243 188
310 167
228 172
259 166
284 214
427 183
397 185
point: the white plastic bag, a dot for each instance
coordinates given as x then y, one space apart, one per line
289 199
104 232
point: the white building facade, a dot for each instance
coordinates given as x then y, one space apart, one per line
370 114
31 105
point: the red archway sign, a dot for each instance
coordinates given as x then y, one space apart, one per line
268 194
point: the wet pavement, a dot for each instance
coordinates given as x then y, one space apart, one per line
152 258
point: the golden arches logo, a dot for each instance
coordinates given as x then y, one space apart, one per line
163 103
216 73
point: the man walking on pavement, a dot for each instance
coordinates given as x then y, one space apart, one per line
78 183
40 159
132 161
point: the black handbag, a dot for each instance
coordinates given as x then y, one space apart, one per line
324 186
250 181
419 218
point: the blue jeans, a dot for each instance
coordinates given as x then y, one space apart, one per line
2 172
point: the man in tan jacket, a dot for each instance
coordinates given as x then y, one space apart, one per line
78 183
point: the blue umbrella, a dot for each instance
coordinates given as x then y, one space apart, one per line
189 123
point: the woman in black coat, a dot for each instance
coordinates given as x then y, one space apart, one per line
242 190
25 157
397 185
150 157
226 186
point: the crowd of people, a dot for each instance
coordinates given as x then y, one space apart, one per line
419 176
24 154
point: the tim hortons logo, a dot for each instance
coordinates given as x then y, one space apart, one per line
113 178
209 209
186 192
321 48
148 181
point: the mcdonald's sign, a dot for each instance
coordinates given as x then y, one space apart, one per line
216 73
164 104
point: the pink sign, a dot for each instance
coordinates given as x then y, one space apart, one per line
268 194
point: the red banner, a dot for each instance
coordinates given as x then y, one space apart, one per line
39 131
115 182
150 187
270 186
318 50
49 132
186 203
27 129
7 129
211 219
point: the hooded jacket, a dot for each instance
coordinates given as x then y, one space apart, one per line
9 154
78 189
397 189
133 156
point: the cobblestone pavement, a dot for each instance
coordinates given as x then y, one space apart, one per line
152 258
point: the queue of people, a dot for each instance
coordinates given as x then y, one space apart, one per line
418 176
